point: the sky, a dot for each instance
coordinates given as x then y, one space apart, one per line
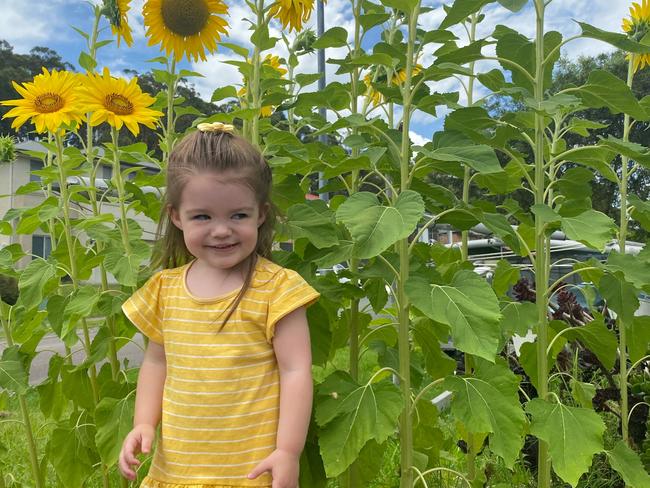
28 23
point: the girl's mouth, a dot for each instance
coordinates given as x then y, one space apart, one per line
224 247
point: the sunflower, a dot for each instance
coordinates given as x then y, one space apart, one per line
116 13
49 100
185 27
292 12
636 28
399 77
117 101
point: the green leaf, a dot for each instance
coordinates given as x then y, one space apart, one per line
460 10
505 275
621 41
621 296
468 305
478 157
641 211
639 337
629 466
583 393
36 278
368 21
598 339
573 435
375 227
592 228
68 443
227 91
632 150
305 79
513 5
635 269
114 419
488 403
14 370
126 267
334 37
596 157
604 89
438 364
518 318
355 415
86 61
236 48
313 220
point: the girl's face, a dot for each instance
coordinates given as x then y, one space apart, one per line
219 218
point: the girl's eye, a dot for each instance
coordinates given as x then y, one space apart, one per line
239 216
201 217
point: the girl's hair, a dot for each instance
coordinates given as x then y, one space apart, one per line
216 152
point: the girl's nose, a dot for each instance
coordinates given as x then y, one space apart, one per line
220 229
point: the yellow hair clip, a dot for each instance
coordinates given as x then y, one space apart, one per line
215 127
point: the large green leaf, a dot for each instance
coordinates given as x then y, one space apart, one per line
355 414
635 269
373 226
478 157
641 211
513 5
621 41
573 435
468 305
604 89
125 267
460 10
518 317
632 150
639 337
598 339
35 280
621 296
505 275
313 220
438 363
592 228
14 370
68 451
488 402
629 466
334 37
114 419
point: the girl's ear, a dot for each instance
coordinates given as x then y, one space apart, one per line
264 208
174 217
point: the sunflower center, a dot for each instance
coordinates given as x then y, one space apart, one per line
185 17
118 104
48 103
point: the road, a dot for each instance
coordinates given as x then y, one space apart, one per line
51 344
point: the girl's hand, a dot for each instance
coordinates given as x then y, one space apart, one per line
284 467
139 440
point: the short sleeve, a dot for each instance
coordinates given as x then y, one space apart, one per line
145 308
290 292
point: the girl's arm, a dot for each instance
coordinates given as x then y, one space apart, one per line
148 408
293 352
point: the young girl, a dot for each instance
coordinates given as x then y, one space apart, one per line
227 371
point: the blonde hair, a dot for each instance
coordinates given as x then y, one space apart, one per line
217 152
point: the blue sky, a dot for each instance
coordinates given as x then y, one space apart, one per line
28 23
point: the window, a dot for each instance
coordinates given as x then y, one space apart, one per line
41 246
107 172
34 165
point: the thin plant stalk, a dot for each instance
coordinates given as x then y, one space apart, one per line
69 239
541 265
622 238
471 452
404 343
170 135
24 410
255 82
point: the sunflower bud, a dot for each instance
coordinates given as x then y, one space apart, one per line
7 149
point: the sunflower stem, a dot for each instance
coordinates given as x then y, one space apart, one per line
255 82
622 238
541 265
404 343
170 136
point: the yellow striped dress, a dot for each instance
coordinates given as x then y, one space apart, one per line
222 391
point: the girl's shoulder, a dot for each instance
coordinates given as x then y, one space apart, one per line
167 278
